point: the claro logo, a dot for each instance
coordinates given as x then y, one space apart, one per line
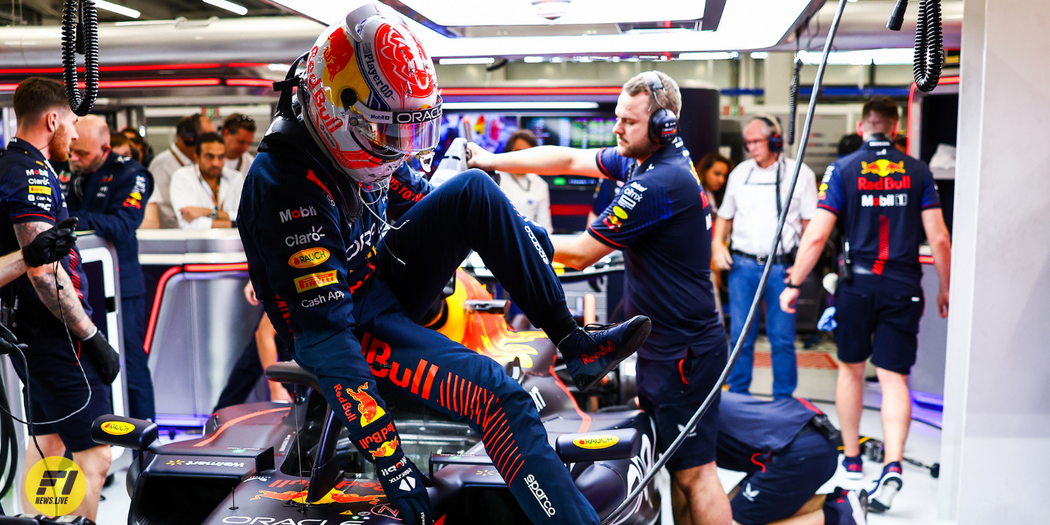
540 496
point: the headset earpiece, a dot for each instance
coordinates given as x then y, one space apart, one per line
776 140
663 124
189 135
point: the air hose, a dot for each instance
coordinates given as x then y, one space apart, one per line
929 41
80 35
649 476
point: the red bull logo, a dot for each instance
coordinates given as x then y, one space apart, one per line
889 183
333 496
366 405
338 54
385 450
613 222
881 167
408 73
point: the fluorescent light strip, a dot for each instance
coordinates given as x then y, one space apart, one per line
464 61
118 9
518 105
716 55
229 6
533 60
881 57
759 55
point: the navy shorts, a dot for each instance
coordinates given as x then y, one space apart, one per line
878 318
671 391
786 481
57 387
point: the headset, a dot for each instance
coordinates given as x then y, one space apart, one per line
663 124
776 140
189 133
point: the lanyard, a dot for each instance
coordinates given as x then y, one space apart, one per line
777 184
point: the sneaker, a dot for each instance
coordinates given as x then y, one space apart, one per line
854 467
887 487
593 351
850 505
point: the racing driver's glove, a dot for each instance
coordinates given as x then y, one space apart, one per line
103 355
51 245
402 481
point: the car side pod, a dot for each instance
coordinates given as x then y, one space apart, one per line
603 445
127 432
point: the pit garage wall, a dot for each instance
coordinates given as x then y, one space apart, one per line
997 419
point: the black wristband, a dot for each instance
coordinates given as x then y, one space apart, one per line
795 286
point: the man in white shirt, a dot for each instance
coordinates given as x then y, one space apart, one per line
238 133
528 192
207 194
755 194
159 212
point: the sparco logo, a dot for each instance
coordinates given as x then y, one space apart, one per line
540 496
288 215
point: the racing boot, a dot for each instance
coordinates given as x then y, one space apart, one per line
593 351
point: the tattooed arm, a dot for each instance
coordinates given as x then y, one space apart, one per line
12 266
43 279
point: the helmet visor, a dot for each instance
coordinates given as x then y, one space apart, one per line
409 132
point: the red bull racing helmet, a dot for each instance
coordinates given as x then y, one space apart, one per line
370 95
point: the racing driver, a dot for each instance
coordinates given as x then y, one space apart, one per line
347 248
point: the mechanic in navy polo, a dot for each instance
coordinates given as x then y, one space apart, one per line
109 193
51 315
885 200
661 219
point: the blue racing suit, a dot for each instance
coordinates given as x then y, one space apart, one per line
112 202
345 299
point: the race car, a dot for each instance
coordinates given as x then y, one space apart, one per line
293 464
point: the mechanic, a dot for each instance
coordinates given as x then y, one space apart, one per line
207 194
885 198
238 133
48 247
750 209
52 316
108 193
661 220
262 351
330 176
788 449
527 191
159 212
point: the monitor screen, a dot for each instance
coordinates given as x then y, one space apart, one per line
574 132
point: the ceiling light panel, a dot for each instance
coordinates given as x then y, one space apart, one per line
751 24
452 13
118 9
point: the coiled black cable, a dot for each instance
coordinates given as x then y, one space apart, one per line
793 103
929 46
80 34
929 41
